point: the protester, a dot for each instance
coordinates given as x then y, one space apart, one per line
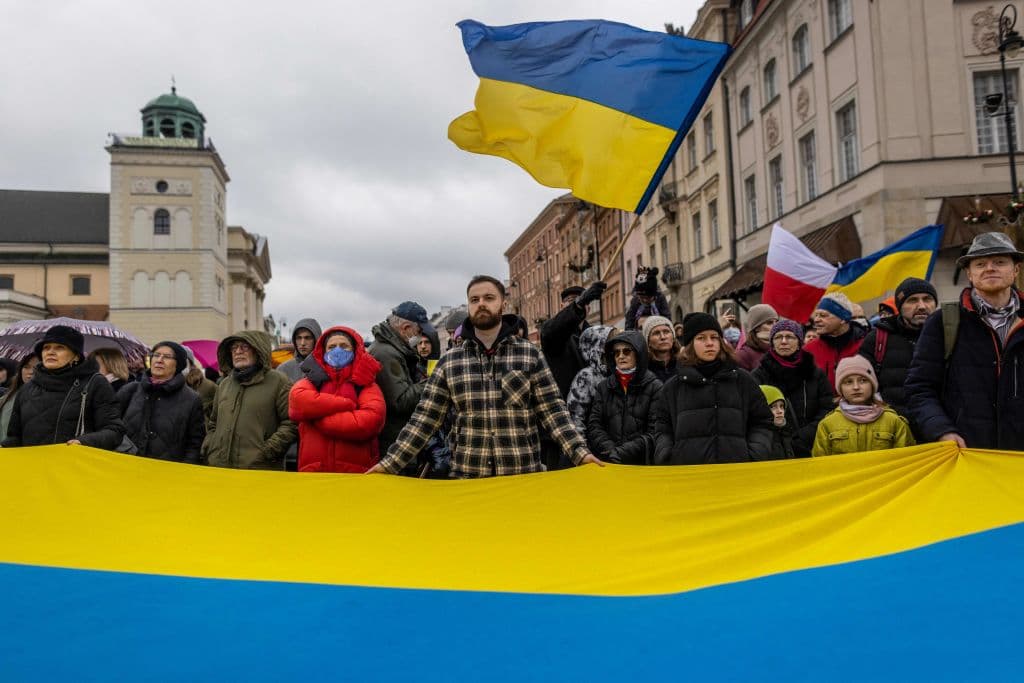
66 400
662 347
619 426
836 338
560 336
394 347
647 299
712 410
500 389
887 308
197 381
968 389
805 386
584 385
22 374
890 346
304 336
162 416
760 319
113 366
859 318
862 422
452 323
338 406
522 327
677 328
249 427
782 424
810 334
8 371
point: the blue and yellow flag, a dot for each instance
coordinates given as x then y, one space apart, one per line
593 106
901 565
878 274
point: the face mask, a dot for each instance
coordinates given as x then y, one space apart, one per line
626 372
415 340
732 335
338 357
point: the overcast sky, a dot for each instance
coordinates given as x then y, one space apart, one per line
330 116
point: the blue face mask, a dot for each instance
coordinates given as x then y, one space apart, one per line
338 357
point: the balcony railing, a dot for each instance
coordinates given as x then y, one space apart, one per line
674 274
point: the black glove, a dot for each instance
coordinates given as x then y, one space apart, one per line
591 293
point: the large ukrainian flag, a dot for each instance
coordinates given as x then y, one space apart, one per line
878 274
594 106
902 565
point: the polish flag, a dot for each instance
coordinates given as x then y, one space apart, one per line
795 278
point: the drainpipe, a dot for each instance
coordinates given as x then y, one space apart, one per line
729 166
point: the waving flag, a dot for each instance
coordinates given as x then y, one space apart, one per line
594 106
900 564
877 274
795 277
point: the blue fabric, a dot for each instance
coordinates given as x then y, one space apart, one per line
339 358
835 309
949 611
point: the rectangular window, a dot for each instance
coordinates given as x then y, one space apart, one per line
745 113
654 254
808 168
6 282
750 197
698 237
846 127
770 86
801 49
992 138
716 241
691 151
81 285
746 12
709 135
664 250
840 17
775 178
629 270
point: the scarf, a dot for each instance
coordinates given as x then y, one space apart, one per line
243 376
710 369
792 361
862 414
625 377
999 319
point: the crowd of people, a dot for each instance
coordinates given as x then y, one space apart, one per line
703 390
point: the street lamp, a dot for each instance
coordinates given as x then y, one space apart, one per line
1010 43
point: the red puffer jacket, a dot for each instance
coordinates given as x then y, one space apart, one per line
339 412
828 352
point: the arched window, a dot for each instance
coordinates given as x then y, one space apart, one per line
745 112
167 128
770 86
162 222
801 49
188 130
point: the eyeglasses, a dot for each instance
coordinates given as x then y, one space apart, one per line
622 352
161 356
240 346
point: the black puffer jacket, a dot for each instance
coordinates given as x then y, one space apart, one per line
699 420
807 393
46 409
164 421
619 428
900 341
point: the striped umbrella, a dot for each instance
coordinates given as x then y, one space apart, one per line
19 338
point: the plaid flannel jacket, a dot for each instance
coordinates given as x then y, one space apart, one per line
498 399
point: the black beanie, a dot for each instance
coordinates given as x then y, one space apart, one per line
695 323
180 355
912 286
62 334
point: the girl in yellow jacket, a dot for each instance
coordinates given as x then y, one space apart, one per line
862 422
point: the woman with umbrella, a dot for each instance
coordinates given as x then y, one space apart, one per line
67 400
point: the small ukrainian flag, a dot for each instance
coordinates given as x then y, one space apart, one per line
877 274
594 106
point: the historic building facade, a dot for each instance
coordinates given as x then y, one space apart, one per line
155 256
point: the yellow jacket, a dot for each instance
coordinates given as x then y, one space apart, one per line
838 434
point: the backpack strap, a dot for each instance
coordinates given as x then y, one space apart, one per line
881 341
950 326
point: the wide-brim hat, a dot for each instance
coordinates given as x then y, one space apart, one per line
990 244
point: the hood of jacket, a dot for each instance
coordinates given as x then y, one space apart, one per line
509 324
260 341
636 340
307 324
361 372
592 346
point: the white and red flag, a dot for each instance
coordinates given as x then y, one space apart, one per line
796 277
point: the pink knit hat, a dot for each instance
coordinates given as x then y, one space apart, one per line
856 365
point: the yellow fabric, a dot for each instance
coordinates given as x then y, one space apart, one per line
838 434
601 531
280 356
603 155
878 280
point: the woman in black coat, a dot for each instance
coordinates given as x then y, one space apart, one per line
712 411
50 409
163 416
804 385
618 425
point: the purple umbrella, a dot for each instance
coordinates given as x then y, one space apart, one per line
19 338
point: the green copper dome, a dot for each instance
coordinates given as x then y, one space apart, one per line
173 116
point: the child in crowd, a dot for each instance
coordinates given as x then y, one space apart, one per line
782 428
862 422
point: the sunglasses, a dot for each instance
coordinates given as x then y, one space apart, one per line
622 352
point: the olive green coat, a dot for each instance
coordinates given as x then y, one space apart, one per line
838 434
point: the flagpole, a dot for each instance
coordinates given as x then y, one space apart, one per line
612 260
